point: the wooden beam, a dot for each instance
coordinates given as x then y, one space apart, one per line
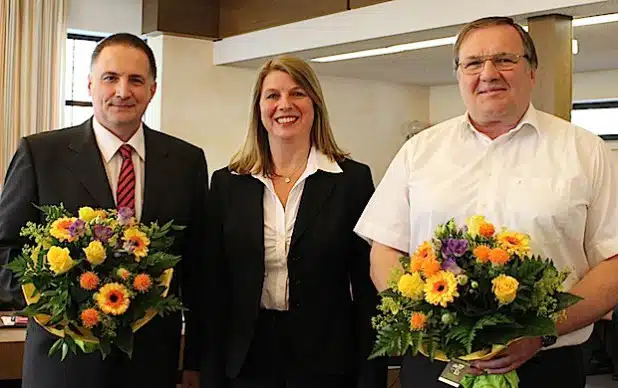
199 18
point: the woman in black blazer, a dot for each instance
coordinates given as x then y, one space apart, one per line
291 291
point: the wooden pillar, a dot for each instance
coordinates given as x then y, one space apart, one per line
553 35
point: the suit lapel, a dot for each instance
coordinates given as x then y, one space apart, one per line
318 188
251 214
87 164
155 171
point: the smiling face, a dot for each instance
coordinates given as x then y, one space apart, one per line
286 110
494 96
121 88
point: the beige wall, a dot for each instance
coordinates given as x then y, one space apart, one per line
444 100
209 105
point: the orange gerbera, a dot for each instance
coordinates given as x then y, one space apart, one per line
113 298
482 253
499 256
90 318
487 230
142 282
89 280
418 321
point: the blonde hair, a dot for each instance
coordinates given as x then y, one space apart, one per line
254 157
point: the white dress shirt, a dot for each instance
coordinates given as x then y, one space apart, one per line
109 146
546 177
278 228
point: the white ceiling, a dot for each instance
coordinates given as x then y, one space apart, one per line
598 50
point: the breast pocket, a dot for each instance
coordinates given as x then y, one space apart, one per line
545 203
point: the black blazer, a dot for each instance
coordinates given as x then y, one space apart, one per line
66 166
325 257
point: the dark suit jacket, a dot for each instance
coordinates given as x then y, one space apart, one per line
325 257
65 166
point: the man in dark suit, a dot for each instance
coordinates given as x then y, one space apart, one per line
111 160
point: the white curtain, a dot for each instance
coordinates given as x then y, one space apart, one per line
32 44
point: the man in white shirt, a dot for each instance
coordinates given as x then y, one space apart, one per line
521 168
112 161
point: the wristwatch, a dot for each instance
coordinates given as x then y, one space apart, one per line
548 340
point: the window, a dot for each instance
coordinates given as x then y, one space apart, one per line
600 117
78 105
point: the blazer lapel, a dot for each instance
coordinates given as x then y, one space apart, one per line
318 188
155 170
251 214
87 164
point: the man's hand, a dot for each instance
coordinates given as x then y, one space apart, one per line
190 379
511 358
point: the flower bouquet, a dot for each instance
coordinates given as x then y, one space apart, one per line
466 294
93 280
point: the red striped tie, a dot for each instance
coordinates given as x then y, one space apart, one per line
125 194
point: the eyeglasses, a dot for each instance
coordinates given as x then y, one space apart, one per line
502 62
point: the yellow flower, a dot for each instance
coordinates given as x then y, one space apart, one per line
60 229
87 213
474 225
514 242
441 289
418 321
59 260
101 214
411 286
505 288
113 298
136 242
95 252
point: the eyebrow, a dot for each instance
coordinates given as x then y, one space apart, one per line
490 55
118 75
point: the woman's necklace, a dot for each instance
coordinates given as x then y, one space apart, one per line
288 179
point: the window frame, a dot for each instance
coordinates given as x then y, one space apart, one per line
90 38
598 104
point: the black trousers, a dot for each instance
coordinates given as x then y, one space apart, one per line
271 362
561 367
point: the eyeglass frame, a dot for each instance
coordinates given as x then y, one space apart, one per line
484 58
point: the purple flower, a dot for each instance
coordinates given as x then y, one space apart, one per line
450 265
102 233
77 228
454 247
124 215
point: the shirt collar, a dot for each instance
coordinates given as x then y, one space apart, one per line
529 119
109 144
317 160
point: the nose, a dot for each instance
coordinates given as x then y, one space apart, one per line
284 102
122 88
489 71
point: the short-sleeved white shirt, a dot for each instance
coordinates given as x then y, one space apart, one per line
546 177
